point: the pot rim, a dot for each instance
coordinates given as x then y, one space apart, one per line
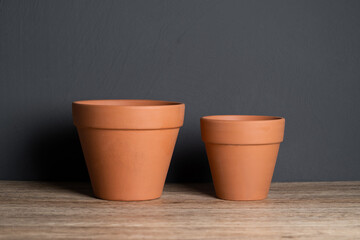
135 114
242 129
127 103
241 118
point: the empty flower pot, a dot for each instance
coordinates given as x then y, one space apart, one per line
242 152
128 145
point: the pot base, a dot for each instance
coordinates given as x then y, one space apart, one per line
127 165
242 172
122 199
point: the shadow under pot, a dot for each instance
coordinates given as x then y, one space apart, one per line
242 152
128 145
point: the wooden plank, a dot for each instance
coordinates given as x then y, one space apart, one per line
48 210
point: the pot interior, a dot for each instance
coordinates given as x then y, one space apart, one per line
240 118
126 102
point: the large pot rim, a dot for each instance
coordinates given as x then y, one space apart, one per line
134 114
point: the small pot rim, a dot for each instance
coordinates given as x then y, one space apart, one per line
242 129
127 103
241 118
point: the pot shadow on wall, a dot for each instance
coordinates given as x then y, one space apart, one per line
189 167
56 157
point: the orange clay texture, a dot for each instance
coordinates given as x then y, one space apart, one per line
242 152
128 145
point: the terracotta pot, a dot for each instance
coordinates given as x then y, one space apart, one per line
128 145
242 152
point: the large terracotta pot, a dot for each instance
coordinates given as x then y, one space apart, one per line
128 145
242 152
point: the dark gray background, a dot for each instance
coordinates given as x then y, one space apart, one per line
297 59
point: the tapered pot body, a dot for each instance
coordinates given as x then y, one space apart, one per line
242 152
128 145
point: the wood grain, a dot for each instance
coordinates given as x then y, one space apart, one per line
47 210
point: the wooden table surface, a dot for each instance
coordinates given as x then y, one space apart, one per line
45 210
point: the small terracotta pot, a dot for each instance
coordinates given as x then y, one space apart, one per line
242 152
128 145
